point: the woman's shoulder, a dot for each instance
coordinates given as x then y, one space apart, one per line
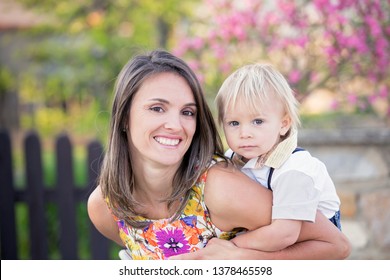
101 217
98 204
225 178
230 195
95 198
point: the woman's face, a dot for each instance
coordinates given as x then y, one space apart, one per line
162 120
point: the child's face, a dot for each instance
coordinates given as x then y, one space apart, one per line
252 134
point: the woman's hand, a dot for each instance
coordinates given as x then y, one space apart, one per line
216 249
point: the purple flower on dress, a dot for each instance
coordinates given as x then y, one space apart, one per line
172 242
190 221
122 225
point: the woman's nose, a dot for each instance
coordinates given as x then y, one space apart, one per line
172 121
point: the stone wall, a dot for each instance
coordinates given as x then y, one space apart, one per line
358 161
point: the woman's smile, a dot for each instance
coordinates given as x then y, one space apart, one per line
167 141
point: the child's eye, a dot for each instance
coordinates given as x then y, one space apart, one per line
233 123
257 122
157 109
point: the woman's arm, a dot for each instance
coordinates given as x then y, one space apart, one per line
332 244
234 200
101 217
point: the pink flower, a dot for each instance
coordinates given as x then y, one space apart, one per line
194 65
383 92
335 105
374 26
197 43
357 42
219 51
352 99
294 76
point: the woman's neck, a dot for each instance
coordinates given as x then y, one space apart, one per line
152 187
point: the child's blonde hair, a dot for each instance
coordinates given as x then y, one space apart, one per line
253 84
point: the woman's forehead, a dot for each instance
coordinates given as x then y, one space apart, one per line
165 85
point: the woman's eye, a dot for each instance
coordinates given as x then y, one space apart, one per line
188 113
156 109
233 123
257 122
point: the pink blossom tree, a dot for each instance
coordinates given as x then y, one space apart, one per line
339 45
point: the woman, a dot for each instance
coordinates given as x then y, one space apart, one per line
165 190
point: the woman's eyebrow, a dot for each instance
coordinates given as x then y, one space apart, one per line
159 100
167 102
191 104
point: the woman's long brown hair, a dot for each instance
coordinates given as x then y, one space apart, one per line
117 179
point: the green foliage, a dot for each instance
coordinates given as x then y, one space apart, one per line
69 65
72 58
83 122
22 222
6 81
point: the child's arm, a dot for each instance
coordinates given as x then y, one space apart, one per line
324 241
276 236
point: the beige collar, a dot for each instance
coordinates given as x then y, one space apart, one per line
283 150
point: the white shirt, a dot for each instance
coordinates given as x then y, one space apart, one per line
300 185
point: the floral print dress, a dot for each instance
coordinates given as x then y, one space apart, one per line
163 238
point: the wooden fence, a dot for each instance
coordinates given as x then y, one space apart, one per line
36 195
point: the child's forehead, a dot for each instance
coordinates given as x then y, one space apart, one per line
242 109
248 105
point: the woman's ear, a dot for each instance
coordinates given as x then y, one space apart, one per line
285 125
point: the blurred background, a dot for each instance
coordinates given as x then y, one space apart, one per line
59 60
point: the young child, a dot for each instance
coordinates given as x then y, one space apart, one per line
259 115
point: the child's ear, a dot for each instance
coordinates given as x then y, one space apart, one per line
285 125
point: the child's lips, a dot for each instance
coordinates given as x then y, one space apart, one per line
247 147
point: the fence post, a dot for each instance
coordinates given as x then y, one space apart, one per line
99 243
9 250
35 197
65 199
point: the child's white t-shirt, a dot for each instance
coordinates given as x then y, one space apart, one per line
301 185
